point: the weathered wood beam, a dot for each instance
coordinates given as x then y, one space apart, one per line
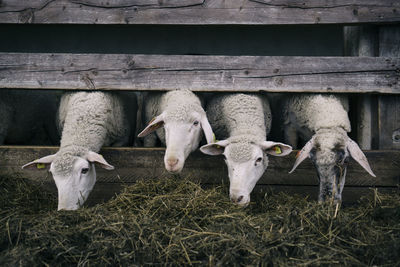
389 106
363 41
103 191
141 163
199 12
200 73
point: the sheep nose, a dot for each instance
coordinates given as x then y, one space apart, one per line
172 161
237 200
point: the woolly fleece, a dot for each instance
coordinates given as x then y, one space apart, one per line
177 105
242 119
317 111
88 121
234 115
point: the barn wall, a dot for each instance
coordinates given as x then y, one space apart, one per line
312 40
64 27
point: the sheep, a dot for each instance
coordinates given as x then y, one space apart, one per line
88 121
182 116
27 117
322 120
243 121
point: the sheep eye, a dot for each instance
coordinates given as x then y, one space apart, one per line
195 123
258 160
312 153
84 170
340 155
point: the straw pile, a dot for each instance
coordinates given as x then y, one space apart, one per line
177 222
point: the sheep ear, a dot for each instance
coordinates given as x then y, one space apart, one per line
358 155
153 125
275 148
215 148
303 154
97 158
40 164
208 133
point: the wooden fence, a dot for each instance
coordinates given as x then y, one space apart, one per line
369 68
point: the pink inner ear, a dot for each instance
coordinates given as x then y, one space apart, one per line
40 164
215 148
303 154
36 166
276 148
97 158
153 125
357 154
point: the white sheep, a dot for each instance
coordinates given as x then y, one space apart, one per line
182 116
322 120
88 121
27 117
243 121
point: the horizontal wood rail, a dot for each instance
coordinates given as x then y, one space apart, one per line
199 12
200 73
147 163
140 163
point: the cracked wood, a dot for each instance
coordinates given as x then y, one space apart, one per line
200 73
141 163
199 12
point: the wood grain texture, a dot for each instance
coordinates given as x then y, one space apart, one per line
388 106
389 122
199 12
142 163
363 41
103 191
200 73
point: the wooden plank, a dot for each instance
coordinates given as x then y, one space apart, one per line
200 73
350 195
389 122
200 12
141 163
103 191
389 107
389 41
363 41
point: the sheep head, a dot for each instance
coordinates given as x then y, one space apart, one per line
74 176
182 135
329 151
246 162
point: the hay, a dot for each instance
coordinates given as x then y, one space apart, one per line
176 222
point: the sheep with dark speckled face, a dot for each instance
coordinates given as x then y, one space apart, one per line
177 117
243 122
322 120
88 121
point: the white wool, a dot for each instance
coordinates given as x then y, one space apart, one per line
240 117
88 121
243 119
177 106
241 152
317 111
64 161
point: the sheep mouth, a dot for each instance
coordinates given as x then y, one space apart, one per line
174 169
331 184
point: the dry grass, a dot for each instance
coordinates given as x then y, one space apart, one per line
176 222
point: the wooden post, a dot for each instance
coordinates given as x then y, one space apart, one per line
362 41
389 106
